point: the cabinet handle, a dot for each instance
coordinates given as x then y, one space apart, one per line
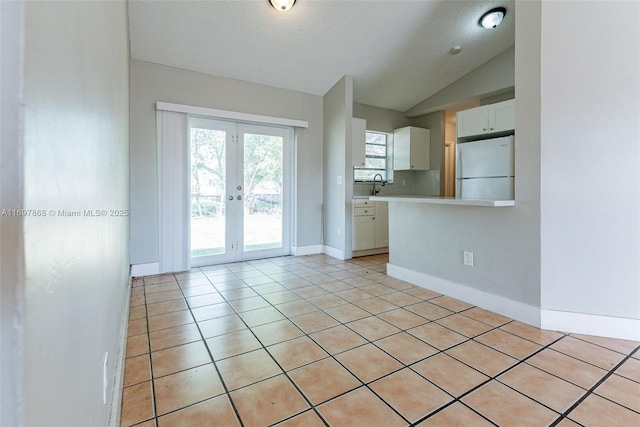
484 129
490 128
373 217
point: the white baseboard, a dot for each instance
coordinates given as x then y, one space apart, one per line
306 250
139 270
513 309
591 324
116 394
333 252
368 252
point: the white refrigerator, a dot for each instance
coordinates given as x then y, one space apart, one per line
484 169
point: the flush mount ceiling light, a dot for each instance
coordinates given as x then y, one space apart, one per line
493 18
282 5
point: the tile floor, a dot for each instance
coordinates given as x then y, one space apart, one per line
315 341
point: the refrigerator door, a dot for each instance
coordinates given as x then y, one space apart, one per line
485 188
486 158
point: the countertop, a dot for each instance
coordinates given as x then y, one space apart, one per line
445 201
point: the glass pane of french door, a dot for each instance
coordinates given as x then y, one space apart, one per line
239 191
263 184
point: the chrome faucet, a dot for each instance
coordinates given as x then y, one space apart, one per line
382 181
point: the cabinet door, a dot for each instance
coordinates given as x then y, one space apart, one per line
472 122
382 225
358 131
419 149
502 116
363 233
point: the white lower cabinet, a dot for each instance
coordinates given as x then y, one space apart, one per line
370 225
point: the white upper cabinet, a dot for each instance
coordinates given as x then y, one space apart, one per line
411 146
358 132
492 118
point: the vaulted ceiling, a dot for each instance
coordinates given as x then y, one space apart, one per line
398 51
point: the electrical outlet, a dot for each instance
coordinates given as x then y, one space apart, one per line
467 258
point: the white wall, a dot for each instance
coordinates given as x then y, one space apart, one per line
11 249
338 187
590 200
151 83
75 158
505 241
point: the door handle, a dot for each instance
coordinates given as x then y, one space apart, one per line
230 197
239 197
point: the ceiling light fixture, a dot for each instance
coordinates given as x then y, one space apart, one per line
282 5
456 50
493 18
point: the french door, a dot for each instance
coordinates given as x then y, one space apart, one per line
240 191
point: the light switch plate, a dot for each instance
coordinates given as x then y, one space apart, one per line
467 258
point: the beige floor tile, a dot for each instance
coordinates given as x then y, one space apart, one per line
455 415
336 286
551 391
372 328
437 336
513 409
296 352
210 413
314 322
323 380
590 353
137 370
276 332
531 333
360 408
139 312
422 293
137 345
450 374
368 362
401 299
196 281
282 297
406 348
353 295
163 296
508 343
621 346
150 423
403 319
186 388
630 369
170 320
251 303
410 394
212 311
166 307
306 419
326 301
486 316
220 326
268 402
232 344
171 337
296 308
310 292
346 312
377 289
174 359
464 325
482 358
450 303
248 368
137 300
375 305
573 370
337 339
137 327
596 411
202 300
161 287
428 310
137 404
204 290
261 316
621 390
